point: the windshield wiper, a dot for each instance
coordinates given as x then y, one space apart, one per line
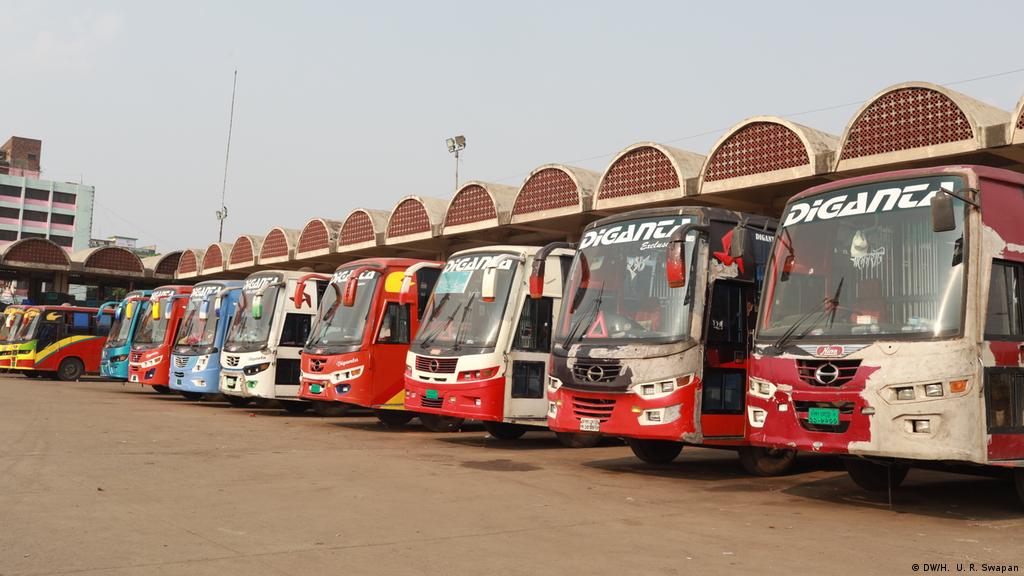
593 309
447 322
828 307
462 322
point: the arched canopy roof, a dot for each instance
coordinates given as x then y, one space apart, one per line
554 190
215 257
163 265
110 260
362 229
39 253
1016 135
646 173
765 150
278 245
191 263
318 237
919 120
244 252
477 206
415 218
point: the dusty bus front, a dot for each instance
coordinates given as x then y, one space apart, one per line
117 348
483 346
891 327
65 342
195 358
265 339
12 319
653 341
160 318
355 355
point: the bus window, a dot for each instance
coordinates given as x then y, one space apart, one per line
534 331
103 324
394 328
77 324
1004 316
425 280
295 330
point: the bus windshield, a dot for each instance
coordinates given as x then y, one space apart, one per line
248 334
344 325
197 332
120 328
864 262
150 333
618 287
11 325
29 324
456 315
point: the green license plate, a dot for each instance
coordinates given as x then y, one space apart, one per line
315 388
824 416
432 394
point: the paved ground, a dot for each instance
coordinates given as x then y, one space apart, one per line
100 478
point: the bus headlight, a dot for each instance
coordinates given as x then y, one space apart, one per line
120 358
933 390
905 393
554 384
151 362
254 369
552 410
761 387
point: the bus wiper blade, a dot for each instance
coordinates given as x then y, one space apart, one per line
592 310
447 322
833 304
827 308
462 322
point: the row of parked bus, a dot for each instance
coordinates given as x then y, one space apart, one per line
881 319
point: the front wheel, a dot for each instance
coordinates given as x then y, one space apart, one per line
238 401
875 477
70 369
194 396
438 423
162 389
766 461
504 431
655 451
393 418
578 440
294 406
330 409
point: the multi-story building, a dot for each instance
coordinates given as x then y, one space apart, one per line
126 242
31 207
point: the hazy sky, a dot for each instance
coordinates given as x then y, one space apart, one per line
347 105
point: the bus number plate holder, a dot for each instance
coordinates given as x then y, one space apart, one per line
134 378
590 425
823 416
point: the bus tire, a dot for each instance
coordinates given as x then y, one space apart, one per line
194 396
1018 479
438 423
330 409
70 370
655 451
162 389
875 477
238 401
578 439
504 430
393 418
294 406
759 461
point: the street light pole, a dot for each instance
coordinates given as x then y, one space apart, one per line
456 145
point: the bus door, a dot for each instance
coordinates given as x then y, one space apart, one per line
726 349
531 347
51 330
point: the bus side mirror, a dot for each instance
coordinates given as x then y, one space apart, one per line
129 310
168 307
405 293
300 291
675 263
348 297
257 307
204 310
155 310
738 245
488 284
943 218
217 303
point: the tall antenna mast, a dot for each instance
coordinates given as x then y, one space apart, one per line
222 214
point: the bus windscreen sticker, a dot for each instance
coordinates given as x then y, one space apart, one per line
453 282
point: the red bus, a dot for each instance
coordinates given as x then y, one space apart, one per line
65 342
150 360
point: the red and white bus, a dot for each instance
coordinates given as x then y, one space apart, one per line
892 324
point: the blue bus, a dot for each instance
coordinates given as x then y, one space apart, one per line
114 360
195 360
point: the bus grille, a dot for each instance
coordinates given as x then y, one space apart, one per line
180 361
596 371
839 375
436 365
232 361
136 357
431 402
593 408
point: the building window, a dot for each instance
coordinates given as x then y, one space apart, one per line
59 218
64 241
33 215
33 157
9 212
8 235
36 194
8 190
63 197
32 235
